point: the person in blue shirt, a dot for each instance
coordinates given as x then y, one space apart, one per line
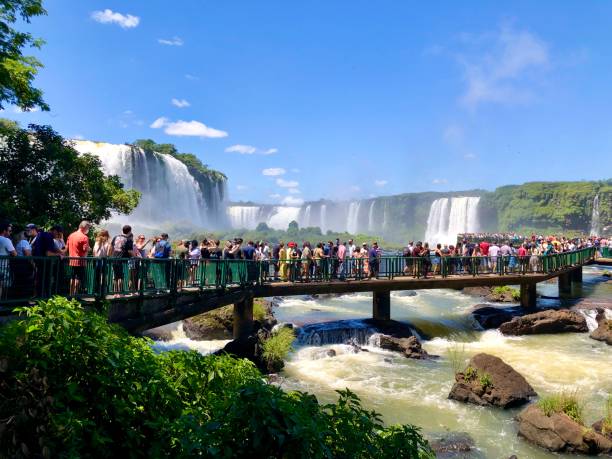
373 260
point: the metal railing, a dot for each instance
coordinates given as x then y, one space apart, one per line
23 279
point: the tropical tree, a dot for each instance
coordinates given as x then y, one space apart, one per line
46 181
17 71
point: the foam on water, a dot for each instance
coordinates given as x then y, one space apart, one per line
180 342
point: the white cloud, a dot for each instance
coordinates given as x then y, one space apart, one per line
273 171
380 182
294 191
439 181
354 188
469 156
187 128
499 71
270 151
180 103
241 187
287 183
29 110
78 137
292 201
275 196
174 41
107 16
242 149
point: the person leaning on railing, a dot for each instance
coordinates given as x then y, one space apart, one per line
78 247
6 249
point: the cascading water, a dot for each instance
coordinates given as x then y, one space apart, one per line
448 218
246 217
595 222
306 218
169 193
353 217
371 224
323 218
282 216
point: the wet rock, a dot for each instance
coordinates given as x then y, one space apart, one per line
603 428
550 321
560 433
604 330
489 381
492 317
410 347
406 293
453 445
330 353
477 291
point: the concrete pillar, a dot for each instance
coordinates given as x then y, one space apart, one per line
577 274
565 284
381 305
528 295
243 318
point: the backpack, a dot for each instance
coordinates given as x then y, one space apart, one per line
119 243
162 250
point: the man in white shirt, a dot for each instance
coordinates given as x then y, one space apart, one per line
351 248
493 252
6 249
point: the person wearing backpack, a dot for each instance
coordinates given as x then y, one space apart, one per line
122 247
163 249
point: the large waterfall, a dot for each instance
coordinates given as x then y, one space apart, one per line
595 222
170 195
451 216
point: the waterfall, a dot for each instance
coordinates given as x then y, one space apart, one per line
352 220
306 218
282 216
447 218
169 193
243 217
323 218
595 225
371 216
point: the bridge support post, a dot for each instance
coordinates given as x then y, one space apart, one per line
565 284
577 274
381 305
243 318
528 295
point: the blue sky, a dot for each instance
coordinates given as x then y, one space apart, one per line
339 99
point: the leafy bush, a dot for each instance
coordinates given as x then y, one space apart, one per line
470 373
74 385
505 290
563 402
259 310
278 345
485 380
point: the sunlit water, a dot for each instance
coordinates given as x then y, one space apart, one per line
416 391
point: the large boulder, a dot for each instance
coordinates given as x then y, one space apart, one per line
489 381
492 317
410 347
604 330
453 445
558 432
550 321
603 427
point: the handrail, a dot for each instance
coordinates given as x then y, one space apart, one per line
24 279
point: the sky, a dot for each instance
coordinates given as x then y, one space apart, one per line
339 99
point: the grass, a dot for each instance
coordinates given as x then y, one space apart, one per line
504 289
279 345
485 380
563 402
456 357
259 310
607 423
470 373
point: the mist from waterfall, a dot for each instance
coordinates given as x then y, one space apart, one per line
169 193
595 221
451 216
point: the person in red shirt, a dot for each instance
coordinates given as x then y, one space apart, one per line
484 251
78 247
523 260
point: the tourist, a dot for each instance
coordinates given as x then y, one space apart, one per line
351 248
248 252
182 250
425 256
437 259
6 249
319 258
122 247
341 255
102 245
522 256
276 254
57 231
43 245
306 260
163 248
374 260
22 246
493 253
78 247
140 245
484 250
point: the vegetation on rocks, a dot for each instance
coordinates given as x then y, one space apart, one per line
278 346
74 385
506 291
563 402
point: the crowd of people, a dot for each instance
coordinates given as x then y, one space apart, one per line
483 252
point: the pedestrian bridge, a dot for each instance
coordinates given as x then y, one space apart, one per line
147 293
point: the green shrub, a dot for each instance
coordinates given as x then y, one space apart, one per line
505 290
259 310
278 345
74 385
470 373
607 422
563 402
485 380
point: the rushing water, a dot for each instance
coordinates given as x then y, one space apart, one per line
451 216
415 391
595 221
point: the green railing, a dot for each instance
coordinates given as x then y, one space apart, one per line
606 252
23 279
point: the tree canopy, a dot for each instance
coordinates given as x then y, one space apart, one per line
17 71
46 181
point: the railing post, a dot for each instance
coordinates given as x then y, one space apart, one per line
381 305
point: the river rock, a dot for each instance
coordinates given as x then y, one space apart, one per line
453 445
492 317
604 330
489 381
406 293
599 428
550 321
560 433
410 347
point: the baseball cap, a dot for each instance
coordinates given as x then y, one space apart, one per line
31 226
